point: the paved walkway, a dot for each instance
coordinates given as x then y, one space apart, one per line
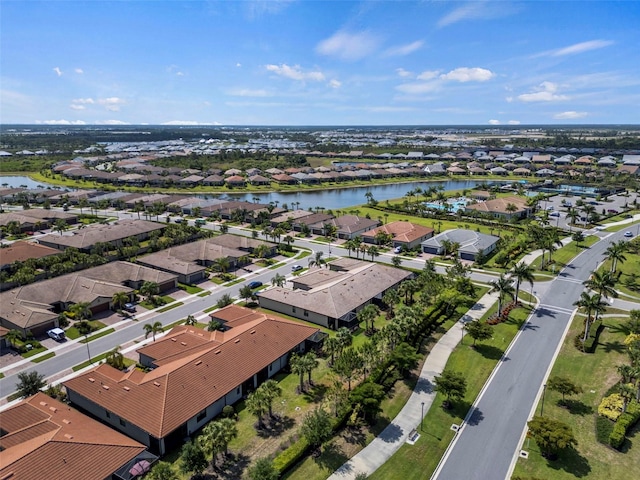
369 459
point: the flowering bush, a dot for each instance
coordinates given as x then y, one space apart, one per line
611 407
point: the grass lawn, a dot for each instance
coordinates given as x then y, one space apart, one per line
73 333
205 293
477 364
33 352
170 307
595 373
44 357
190 289
163 298
564 255
97 359
98 335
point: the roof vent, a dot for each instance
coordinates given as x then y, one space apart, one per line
217 352
174 340
252 332
44 404
156 384
198 362
106 387
237 341
183 344
92 379
66 421
126 388
68 436
53 409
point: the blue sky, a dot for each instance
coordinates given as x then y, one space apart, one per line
310 62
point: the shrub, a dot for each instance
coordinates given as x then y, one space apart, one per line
616 439
291 455
611 407
604 427
228 411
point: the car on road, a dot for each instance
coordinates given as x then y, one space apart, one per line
179 220
296 268
397 250
57 334
554 214
129 307
612 211
254 284
628 234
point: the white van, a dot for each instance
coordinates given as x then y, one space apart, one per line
57 334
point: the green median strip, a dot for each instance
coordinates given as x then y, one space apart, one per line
234 282
210 309
204 294
44 357
169 307
98 335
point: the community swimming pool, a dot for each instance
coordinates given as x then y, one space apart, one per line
455 204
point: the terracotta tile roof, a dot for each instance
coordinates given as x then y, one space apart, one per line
401 231
165 398
499 205
47 439
21 251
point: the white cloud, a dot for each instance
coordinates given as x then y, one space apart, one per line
295 72
465 74
509 99
403 50
76 106
247 92
79 71
494 122
403 73
577 48
111 122
58 71
513 122
61 122
112 103
335 83
545 92
348 46
83 101
569 115
478 10
428 74
238 64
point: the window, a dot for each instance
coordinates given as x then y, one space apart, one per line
293 309
238 390
270 367
202 415
306 314
123 423
107 413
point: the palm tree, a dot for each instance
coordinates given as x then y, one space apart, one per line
374 251
149 289
81 310
317 260
279 280
288 239
615 252
298 368
256 404
521 272
344 338
603 283
368 314
246 293
221 264
190 321
271 390
119 299
331 346
310 362
590 304
13 336
503 287
152 328
115 358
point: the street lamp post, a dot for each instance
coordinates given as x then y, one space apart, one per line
421 416
544 390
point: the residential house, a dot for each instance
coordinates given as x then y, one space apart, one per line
21 251
332 297
195 374
347 226
470 243
45 439
503 207
402 234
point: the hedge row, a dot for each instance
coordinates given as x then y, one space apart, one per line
624 423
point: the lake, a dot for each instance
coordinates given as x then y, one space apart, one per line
329 199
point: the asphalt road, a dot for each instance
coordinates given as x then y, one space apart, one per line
490 437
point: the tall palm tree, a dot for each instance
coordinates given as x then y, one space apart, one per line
152 328
149 289
521 272
271 390
330 347
603 283
310 362
368 314
503 287
317 260
190 321
278 280
13 336
81 310
615 252
221 264
119 299
115 358
298 368
590 304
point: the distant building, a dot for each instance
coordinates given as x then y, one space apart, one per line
403 234
503 207
471 243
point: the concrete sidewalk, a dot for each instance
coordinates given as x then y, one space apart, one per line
369 459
